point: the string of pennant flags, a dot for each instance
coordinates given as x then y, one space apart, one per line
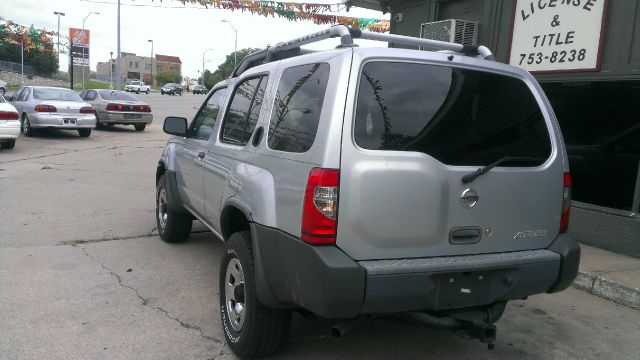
296 12
29 37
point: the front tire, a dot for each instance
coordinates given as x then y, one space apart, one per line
251 329
84 132
27 130
173 227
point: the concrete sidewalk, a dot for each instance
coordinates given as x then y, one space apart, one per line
609 275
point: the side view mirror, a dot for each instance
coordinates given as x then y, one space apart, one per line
174 125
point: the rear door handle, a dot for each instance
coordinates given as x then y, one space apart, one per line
465 235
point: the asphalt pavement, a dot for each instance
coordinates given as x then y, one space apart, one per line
83 274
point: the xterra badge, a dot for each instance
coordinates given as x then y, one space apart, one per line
469 198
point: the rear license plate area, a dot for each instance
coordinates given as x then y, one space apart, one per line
132 116
69 121
464 289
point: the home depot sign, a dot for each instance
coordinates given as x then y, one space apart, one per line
557 35
79 46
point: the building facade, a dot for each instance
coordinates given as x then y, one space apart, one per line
586 56
134 67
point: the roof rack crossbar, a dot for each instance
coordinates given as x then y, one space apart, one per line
347 35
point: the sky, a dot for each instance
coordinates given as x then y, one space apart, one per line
183 31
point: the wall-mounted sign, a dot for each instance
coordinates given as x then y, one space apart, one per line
79 52
557 35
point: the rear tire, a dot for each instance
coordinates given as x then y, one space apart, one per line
98 125
9 144
251 329
84 132
173 227
140 127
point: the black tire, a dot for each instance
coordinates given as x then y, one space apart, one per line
263 331
138 91
8 144
161 92
177 226
139 127
84 132
27 130
98 125
147 92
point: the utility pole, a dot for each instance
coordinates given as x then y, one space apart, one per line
83 47
151 41
22 61
118 55
59 14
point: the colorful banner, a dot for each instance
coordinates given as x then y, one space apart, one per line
30 37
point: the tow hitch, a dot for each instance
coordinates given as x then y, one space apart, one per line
475 324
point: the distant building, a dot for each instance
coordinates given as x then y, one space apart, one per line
134 67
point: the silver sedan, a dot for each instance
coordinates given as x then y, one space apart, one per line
118 107
51 107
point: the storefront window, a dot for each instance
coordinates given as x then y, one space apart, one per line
600 123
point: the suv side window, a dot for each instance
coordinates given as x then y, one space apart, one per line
297 107
241 118
202 125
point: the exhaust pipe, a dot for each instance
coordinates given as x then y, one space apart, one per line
340 329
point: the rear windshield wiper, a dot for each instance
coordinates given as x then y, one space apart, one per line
483 170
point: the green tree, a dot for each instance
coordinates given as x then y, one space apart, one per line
168 77
225 69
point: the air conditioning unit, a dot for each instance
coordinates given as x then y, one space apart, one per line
452 30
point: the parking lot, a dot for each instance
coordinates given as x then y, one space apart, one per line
83 274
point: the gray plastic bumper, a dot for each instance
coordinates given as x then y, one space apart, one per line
327 282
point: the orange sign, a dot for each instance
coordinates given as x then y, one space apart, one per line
79 37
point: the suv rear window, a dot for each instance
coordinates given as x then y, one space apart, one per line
458 116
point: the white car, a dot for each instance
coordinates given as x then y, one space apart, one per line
137 87
9 124
3 88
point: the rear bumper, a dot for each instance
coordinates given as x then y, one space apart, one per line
327 282
112 117
9 129
63 121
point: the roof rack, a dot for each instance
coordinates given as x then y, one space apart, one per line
291 48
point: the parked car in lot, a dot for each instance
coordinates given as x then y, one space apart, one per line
171 89
433 186
137 87
199 89
9 124
3 88
117 107
51 107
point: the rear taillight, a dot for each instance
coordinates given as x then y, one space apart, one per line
143 108
566 203
87 110
115 107
45 108
320 210
9 115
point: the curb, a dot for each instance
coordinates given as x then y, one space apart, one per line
597 284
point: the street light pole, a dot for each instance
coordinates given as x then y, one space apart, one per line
203 59
59 14
235 46
118 54
151 41
83 47
111 70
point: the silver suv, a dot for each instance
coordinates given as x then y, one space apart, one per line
429 185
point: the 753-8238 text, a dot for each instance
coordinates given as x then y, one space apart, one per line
554 57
